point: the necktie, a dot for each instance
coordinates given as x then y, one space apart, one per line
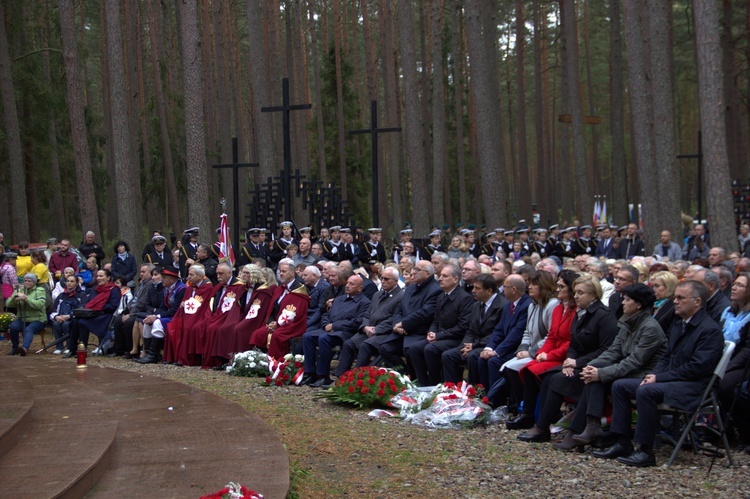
512 308
483 310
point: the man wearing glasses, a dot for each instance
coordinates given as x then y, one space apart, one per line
624 277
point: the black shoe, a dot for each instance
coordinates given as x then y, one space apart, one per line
617 450
639 458
324 382
215 368
520 422
69 354
535 435
307 379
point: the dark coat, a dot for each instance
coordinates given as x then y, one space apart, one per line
94 248
160 261
480 328
592 335
346 315
690 359
416 311
509 331
313 311
629 248
98 325
606 248
665 315
381 311
369 288
452 315
249 252
368 253
124 268
716 305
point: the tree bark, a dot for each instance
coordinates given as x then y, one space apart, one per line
413 118
458 57
56 204
711 101
736 131
76 105
584 202
538 188
263 121
619 188
195 137
321 151
438 115
523 206
337 42
109 153
483 84
595 172
132 64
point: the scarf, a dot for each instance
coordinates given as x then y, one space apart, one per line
659 303
122 256
733 324
101 298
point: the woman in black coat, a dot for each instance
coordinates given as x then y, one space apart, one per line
593 330
123 263
664 283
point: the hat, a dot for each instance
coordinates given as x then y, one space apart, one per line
500 230
10 254
173 271
522 221
305 229
335 228
584 227
553 227
286 224
346 229
31 276
374 230
463 231
255 231
406 231
434 233
602 226
524 230
52 240
491 233
624 227
640 293
159 240
508 232
192 231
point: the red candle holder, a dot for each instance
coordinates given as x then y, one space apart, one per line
81 356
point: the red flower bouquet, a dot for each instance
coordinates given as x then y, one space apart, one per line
367 386
234 491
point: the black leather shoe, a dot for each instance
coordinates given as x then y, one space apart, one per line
639 458
307 379
534 436
323 382
617 450
520 422
69 354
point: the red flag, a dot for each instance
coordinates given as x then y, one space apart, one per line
225 244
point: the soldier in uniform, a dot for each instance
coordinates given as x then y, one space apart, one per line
278 247
584 245
507 244
473 248
553 232
189 248
334 249
540 244
158 254
488 248
564 247
306 232
350 246
253 249
433 246
523 238
372 251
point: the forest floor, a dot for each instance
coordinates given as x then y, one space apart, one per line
338 451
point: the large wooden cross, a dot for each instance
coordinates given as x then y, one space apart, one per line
235 165
286 108
374 131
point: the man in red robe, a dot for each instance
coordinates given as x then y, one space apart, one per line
193 310
288 318
226 297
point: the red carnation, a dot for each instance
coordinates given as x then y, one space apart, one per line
382 384
351 389
381 392
268 380
360 382
279 382
485 401
365 389
371 381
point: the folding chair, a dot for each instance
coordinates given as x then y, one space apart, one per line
709 404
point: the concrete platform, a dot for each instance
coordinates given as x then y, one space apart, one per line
107 433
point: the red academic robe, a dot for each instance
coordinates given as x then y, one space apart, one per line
193 309
254 315
222 308
291 321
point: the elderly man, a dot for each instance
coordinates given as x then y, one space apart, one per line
227 295
315 286
549 265
469 272
123 325
505 338
203 256
181 342
376 324
89 248
598 269
452 318
154 325
338 324
716 302
288 318
695 344
667 248
413 317
439 260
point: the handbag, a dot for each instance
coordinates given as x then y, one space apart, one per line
85 313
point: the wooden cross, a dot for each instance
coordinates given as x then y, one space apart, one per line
286 108
374 131
235 165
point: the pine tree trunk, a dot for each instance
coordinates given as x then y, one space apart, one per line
522 186
112 225
338 28
76 105
538 187
132 63
483 84
736 132
317 105
195 137
438 115
224 118
711 101
619 188
595 173
570 32
173 202
459 58
413 119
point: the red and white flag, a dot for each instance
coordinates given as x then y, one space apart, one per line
225 243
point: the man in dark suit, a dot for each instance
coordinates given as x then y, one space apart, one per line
626 276
315 286
606 246
485 315
631 245
452 316
679 379
339 324
377 323
717 302
158 255
253 249
413 316
507 335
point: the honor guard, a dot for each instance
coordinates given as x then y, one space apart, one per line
433 246
253 248
373 251
278 247
584 245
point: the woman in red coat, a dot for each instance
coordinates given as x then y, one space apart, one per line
552 354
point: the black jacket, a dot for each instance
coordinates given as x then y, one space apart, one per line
591 335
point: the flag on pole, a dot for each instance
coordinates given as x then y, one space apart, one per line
604 211
597 210
225 243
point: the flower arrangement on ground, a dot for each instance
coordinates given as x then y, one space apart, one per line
5 319
252 363
367 386
447 404
234 491
286 371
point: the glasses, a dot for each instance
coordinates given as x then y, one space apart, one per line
386 279
682 297
618 278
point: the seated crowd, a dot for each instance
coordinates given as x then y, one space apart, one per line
554 322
